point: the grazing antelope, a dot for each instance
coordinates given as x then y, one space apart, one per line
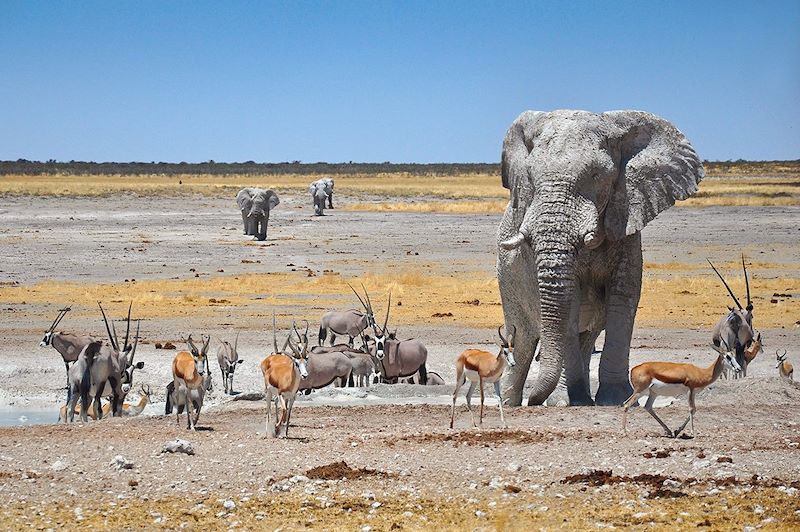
349 322
189 372
784 367
751 351
674 379
80 381
69 346
282 375
228 358
482 366
735 329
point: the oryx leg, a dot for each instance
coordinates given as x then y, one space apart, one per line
66 365
500 402
649 407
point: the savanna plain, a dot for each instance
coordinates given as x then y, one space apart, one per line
382 457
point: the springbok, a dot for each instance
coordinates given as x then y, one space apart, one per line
735 329
131 410
189 371
80 381
69 346
482 366
282 375
751 351
784 367
674 379
228 358
350 322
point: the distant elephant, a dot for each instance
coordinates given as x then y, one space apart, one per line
319 195
327 184
582 186
255 205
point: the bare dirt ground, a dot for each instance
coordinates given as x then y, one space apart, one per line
553 467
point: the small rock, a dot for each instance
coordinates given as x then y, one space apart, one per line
58 465
408 514
120 462
178 446
514 467
479 513
229 505
670 483
376 505
366 528
758 509
298 478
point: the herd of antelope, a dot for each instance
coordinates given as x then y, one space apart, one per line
104 369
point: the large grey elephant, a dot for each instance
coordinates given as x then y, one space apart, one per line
582 186
255 205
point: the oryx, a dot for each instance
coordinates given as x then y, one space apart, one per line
349 322
397 358
735 329
79 382
69 346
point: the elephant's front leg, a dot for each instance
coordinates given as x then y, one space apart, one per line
520 308
623 299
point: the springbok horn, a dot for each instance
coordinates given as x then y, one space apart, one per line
747 284
505 342
128 331
274 338
388 307
359 297
108 329
726 285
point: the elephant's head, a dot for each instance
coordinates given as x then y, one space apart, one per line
580 179
263 202
319 196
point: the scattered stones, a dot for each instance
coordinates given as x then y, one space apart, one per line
178 446
120 462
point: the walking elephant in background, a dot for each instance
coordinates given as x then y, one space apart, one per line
255 205
582 186
321 192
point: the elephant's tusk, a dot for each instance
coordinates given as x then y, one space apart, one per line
514 242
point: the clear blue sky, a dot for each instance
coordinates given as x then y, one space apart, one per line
385 81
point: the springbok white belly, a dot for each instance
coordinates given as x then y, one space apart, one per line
658 387
473 376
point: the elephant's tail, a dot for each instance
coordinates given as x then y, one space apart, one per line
322 335
423 375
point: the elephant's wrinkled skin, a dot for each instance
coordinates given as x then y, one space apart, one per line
569 265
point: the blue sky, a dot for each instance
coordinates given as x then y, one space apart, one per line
380 81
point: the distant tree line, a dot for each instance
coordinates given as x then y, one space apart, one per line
25 167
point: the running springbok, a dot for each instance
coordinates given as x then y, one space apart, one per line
784 367
674 379
189 375
69 346
282 375
482 366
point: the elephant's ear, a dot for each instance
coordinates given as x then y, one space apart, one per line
274 200
657 166
517 146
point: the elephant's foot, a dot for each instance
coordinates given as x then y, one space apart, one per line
613 393
260 237
579 395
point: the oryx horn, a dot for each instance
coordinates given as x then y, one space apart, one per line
274 338
236 342
726 285
747 284
108 329
128 330
135 340
359 297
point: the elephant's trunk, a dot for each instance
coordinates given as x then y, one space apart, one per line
555 265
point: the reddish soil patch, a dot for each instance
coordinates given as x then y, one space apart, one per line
339 470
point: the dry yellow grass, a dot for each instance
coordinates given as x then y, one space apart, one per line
672 297
485 189
353 185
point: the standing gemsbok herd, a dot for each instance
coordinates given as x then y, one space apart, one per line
98 369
